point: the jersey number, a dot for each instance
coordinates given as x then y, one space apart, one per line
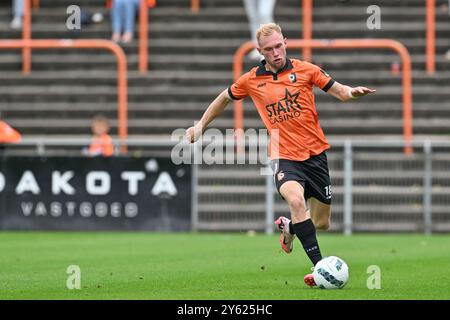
328 191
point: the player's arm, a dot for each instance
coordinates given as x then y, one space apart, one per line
345 93
213 111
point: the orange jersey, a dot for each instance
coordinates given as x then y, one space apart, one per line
102 145
8 134
285 101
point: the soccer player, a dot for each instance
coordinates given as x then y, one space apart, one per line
282 91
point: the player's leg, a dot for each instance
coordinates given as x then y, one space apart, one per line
302 225
319 191
293 194
317 180
284 224
320 213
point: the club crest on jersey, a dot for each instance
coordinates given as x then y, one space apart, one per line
293 77
280 175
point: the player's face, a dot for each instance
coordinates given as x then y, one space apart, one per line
273 48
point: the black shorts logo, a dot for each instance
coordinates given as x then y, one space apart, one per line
280 175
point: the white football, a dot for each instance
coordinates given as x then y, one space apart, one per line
331 273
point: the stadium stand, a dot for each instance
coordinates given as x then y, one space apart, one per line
190 61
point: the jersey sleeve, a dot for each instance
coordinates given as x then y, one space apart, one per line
321 79
239 89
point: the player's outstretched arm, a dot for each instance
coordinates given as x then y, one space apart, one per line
345 93
213 111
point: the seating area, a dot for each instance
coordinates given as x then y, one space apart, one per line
190 62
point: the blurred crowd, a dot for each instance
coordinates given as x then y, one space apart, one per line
123 15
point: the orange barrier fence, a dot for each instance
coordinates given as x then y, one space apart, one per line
122 70
307 12
195 6
26 35
239 55
307 8
143 35
431 36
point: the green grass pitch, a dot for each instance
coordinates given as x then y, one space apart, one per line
219 266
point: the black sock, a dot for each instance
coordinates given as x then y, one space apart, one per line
291 228
306 233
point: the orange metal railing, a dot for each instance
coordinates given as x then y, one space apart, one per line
195 6
122 70
143 35
307 12
239 55
431 35
26 35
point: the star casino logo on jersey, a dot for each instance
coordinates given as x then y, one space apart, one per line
285 109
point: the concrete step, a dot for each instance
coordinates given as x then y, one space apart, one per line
362 194
172 62
284 11
182 92
398 22
360 178
237 3
373 127
200 25
187 77
175 109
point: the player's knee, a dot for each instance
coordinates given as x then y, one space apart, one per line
298 208
296 203
322 225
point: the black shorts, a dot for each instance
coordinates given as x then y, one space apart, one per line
312 174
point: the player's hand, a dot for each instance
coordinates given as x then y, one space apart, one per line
193 133
361 91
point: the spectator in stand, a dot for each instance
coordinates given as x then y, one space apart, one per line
123 18
258 12
101 144
17 11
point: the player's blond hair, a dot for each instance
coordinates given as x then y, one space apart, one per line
267 29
